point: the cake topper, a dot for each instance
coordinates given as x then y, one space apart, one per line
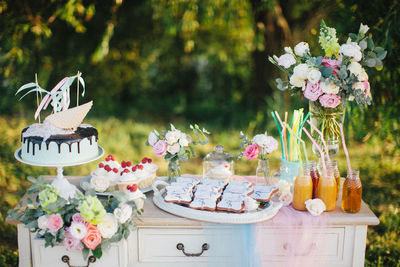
59 97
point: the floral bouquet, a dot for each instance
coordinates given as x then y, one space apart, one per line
261 145
176 146
328 81
83 223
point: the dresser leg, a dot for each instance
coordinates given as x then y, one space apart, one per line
24 246
360 237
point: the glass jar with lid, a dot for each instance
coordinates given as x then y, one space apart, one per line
218 165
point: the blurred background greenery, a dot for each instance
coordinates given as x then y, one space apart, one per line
148 63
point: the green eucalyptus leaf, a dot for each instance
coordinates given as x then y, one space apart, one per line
371 54
371 62
353 36
363 44
370 43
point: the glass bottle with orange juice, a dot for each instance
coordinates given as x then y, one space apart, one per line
336 173
315 177
303 188
327 188
352 192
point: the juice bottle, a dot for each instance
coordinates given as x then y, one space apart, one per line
327 190
315 178
334 165
352 193
303 187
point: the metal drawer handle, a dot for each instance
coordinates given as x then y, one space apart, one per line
204 247
65 259
310 248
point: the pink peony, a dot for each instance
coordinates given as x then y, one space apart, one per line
92 238
77 218
331 63
70 243
251 152
160 148
55 222
329 100
312 91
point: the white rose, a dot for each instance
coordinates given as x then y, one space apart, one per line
174 148
315 206
42 222
100 183
363 29
183 141
139 203
351 50
363 76
261 140
173 136
152 139
108 226
355 68
124 213
329 88
301 48
286 60
78 230
301 71
297 82
250 204
314 76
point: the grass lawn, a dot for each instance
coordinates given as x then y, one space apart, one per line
379 171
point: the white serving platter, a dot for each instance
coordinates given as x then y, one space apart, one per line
213 216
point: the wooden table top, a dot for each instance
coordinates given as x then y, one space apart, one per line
153 216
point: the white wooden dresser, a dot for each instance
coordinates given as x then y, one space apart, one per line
162 239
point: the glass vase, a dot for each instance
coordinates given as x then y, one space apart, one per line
263 172
327 120
174 170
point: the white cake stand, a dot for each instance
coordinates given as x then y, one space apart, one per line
66 189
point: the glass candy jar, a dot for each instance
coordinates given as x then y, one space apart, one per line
218 165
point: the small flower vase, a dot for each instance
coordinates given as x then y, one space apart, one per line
263 172
174 170
327 120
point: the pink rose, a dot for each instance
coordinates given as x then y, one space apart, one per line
92 238
331 63
77 218
55 222
70 243
367 87
329 100
312 91
251 152
160 148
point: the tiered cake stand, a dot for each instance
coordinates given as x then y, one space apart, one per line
66 189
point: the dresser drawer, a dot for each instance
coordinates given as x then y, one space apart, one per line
116 256
161 244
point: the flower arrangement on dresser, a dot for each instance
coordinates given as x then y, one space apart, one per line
328 81
84 223
175 145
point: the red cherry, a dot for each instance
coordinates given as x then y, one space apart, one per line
134 187
121 173
107 168
128 187
226 166
112 158
128 164
101 165
141 167
144 160
115 170
107 159
123 164
126 170
134 168
149 160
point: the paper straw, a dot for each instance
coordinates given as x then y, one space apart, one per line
286 137
279 130
322 138
345 149
304 121
283 127
320 151
301 141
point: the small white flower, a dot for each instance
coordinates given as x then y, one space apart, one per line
351 49
99 183
301 71
184 141
363 29
288 50
315 206
301 48
355 68
286 60
78 230
108 226
329 88
173 136
173 149
314 76
286 198
42 222
297 82
152 139
250 204
139 203
124 213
